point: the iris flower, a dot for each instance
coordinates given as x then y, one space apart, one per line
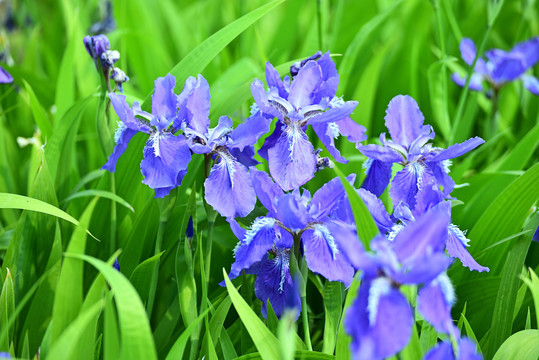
295 221
500 67
308 99
228 188
380 319
166 156
408 146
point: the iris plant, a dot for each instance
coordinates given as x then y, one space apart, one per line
5 77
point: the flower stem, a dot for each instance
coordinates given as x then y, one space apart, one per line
493 118
304 311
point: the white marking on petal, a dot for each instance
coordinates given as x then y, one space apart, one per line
461 235
336 102
294 133
282 259
379 287
322 231
367 165
121 128
260 224
395 229
228 161
447 288
334 129
254 108
419 170
446 164
154 138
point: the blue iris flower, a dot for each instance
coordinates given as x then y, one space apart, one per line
380 319
422 162
265 248
308 99
444 351
228 188
166 156
500 67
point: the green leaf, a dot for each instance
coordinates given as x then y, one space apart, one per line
142 276
65 346
333 309
136 335
505 217
265 342
299 355
176 352
342 350
100 193
365 226
523 151
533 284
111 340
40 116
7 308
194 62
14 201
523 345
504 308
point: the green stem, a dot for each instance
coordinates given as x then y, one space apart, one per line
304 312
113 219
445 121
494 114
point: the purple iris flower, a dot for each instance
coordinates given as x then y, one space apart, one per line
5 77
228 188
5 355
166 156
380 319
444 351
422 162
500 67
294 221
308 99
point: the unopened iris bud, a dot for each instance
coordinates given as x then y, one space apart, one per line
119 78
295 68
5 77
109 57
96 46
116 264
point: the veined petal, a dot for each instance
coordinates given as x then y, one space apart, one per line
456 247
304 85
444 351
274 80
254 246
164 101
527 50
377 176
327 198
224 127
123 136
327 133
245 156
380 153
324 257
165 160
194 104
265 189
377 210
261 98
228 188
353 131
248 133
292 161
404 120
457 150
126 114
271 140
422 237
435 301
274 283
334 114
291 211
423 270
440 172
409 181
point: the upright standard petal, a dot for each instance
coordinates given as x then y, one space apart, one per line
304 85
194 104
228 188
258 240
292 161
467 50
404 120
164 101
261 98
327 198
265 189
291 211
274 283
165 158
531 83
527 50
324 257
274 80
127 114
476 81
5 77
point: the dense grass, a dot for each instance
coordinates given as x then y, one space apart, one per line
60 299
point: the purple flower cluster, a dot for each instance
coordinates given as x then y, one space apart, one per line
98 47
500 67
